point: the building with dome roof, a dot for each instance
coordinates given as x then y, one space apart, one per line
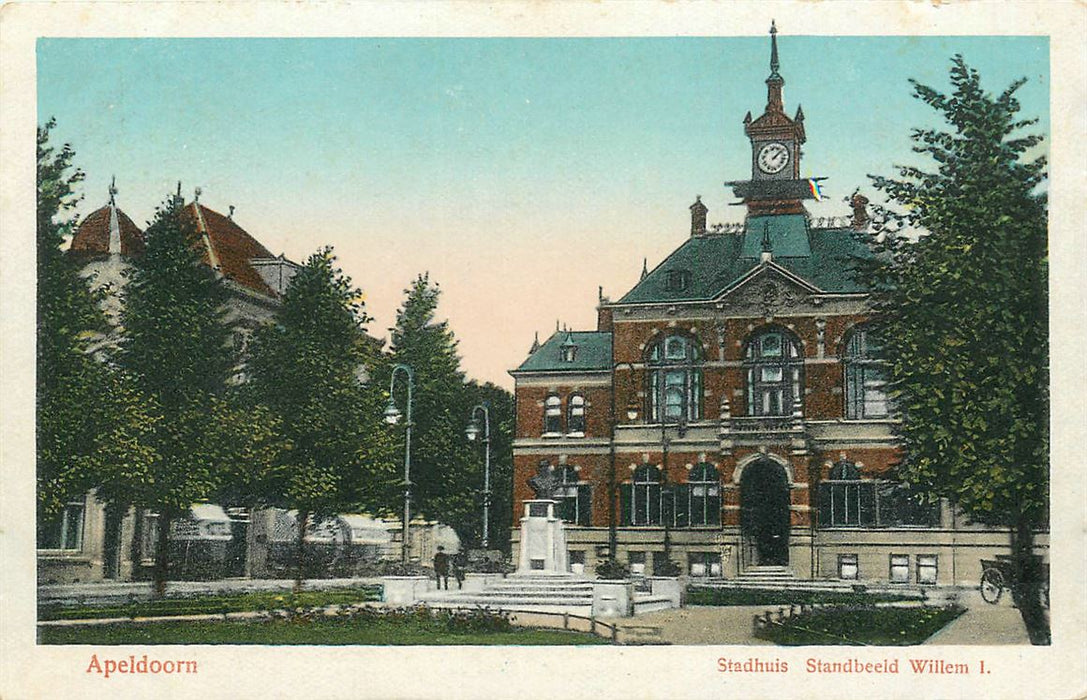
91 541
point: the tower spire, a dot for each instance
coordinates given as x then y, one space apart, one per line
774 83
774 64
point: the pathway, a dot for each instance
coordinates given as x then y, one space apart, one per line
987 624
701 624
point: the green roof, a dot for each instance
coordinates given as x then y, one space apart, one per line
788 236
592 351
713 263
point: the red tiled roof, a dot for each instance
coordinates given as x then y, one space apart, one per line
92 236
233 248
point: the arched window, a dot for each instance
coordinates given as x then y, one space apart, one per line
575 415
573 497
675 380
552 415
774 373
642 497
704 490
865 381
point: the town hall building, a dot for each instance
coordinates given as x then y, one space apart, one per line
728 417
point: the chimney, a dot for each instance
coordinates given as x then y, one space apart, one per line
860 211
698 217
604 316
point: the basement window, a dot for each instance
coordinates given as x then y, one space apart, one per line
926 568
847 567
900 568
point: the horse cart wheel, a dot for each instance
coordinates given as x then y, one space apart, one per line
992 585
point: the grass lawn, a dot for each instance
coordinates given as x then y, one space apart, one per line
771 596
861 625
328 631
202 604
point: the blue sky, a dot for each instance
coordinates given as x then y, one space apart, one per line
522 173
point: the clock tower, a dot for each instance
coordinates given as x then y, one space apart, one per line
775 138
775 186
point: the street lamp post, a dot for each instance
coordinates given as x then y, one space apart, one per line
667 490
392 417
472 431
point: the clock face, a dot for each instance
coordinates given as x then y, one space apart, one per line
773 157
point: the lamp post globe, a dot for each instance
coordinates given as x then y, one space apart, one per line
392 413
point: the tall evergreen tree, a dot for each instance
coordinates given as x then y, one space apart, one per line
445 474
176 348
962 316
309 368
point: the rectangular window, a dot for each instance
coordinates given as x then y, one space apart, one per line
773 374
926 568
875 396
848 569
900 568
705 504
577 561
704 564
637 563
771 345
63 531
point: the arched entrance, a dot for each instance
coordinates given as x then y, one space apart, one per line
764 513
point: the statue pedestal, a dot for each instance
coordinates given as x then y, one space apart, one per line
543 540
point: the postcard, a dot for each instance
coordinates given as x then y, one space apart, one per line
465 349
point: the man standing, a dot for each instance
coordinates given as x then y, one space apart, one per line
441 567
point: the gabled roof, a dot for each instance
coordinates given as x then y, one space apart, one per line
716 262
229 248
92 237
592 352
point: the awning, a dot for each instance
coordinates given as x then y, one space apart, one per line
206 522
363 529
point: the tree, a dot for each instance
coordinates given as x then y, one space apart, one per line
309 369
176 349
81 403
445 473
962 315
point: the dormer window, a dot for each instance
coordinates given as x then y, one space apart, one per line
568 349
678 280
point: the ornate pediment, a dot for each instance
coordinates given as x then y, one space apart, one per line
769 292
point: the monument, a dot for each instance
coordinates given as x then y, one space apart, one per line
543 540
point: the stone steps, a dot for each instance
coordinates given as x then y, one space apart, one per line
537 593
522 591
